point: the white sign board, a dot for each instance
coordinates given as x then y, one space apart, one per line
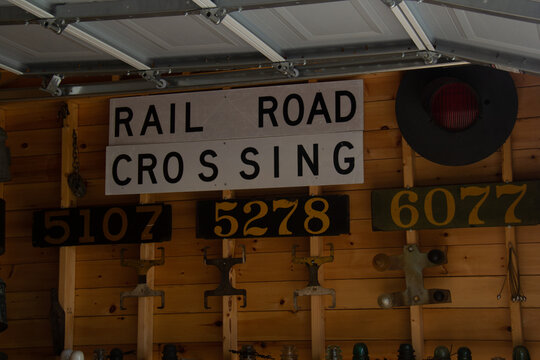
300 109
277 136
324 159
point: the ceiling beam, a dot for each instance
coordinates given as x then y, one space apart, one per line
9 65
82 35
410 24
298 57
242 32
524 10
246 77
129 9
503 61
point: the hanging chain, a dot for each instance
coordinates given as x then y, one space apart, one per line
76 164
75 181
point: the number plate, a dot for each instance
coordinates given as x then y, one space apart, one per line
307 216
102 225
475 205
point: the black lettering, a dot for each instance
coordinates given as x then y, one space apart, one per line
276 161
151 114
286 109
319 100
350 115
245 160
116 179
147 167
188 120
122 121
209 165
269 111
180 163
347 160
313 165
173 119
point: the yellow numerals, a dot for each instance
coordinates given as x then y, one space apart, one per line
315 218
509 189
396 209
405 207
68 226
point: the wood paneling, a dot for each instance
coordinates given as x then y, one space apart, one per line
474 273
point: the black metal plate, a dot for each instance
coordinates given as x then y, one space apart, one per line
306 216
102 225
456 206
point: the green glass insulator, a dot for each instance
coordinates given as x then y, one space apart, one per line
360 352
464 353
441 353
520 353
406 352
333 352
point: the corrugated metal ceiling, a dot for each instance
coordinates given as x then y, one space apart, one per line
262 39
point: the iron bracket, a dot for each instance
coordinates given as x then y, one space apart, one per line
142 267
154 76
55 25
413 263
216 15
430 57
287 68
225 287
391 3
51 85
314 287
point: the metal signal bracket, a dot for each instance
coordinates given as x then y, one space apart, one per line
314 287
142 267
413 263
225 288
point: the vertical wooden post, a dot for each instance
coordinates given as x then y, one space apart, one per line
145 314
510 240
318 338
416 311
66 281
230 305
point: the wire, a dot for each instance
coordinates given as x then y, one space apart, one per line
514 277
514 282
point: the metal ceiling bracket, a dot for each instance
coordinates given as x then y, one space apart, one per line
391 3
413 263
216 15
153 76
52 84
287 68
142 267
430 57
55 25
314 287
225 288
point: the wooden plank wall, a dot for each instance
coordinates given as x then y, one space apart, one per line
474 273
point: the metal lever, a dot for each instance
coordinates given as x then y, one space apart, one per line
142 267
413 263
314 287
225 287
